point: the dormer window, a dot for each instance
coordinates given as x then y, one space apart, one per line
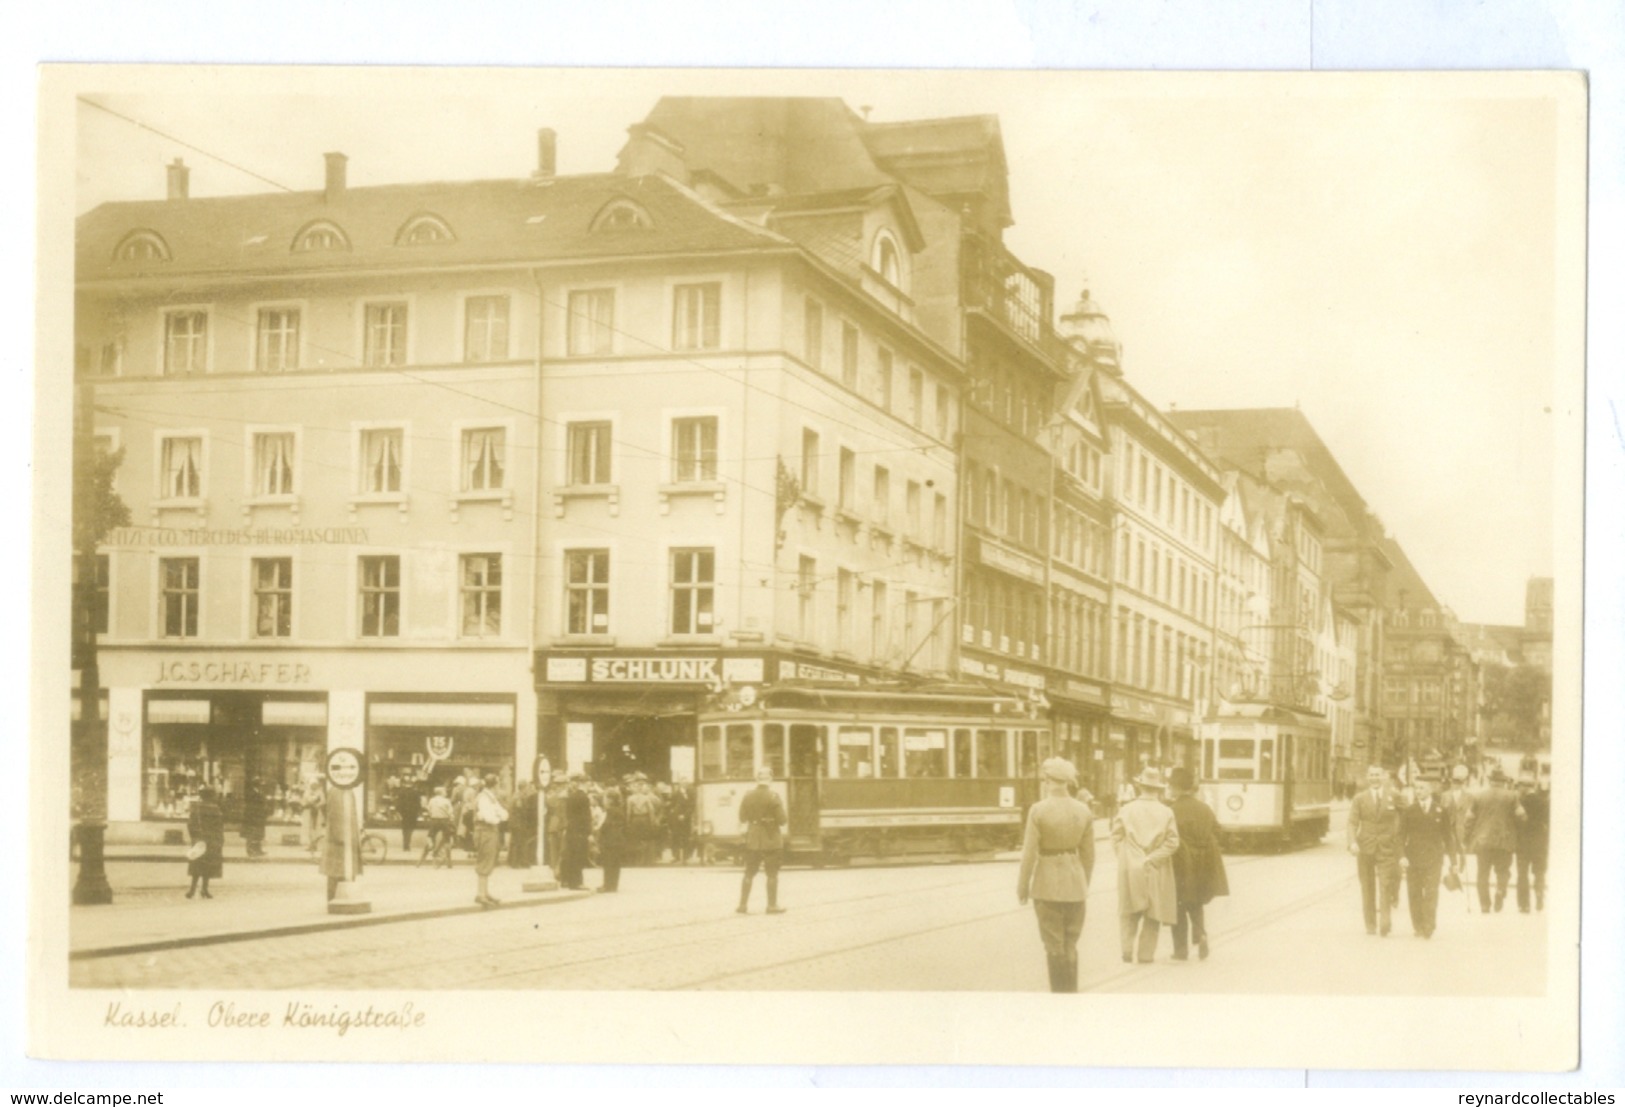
141 246
622 215
320 237
424 230
888 260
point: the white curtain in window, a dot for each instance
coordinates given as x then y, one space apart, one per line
383 462
483 459
183 467
274 464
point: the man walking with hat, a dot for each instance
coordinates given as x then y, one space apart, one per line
1492 835
1146 838
1057 862
1534 832
1198 865
1373 833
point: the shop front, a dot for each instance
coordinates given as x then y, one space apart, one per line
182 720
1144 732
1080 718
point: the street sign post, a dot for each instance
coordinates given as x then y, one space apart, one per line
344 771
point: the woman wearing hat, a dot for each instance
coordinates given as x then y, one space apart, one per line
207 828
1146 838
1057 861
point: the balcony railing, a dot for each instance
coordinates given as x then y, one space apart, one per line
1021 299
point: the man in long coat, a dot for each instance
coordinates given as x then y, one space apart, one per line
1534 833
1427 838
1057 862
577 834
1146 838
1198 865
1492 836
1373 834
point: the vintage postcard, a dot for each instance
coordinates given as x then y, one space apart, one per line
809 566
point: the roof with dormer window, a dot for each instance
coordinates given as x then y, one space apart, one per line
518 221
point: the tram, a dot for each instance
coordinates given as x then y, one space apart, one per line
872 773
1266 773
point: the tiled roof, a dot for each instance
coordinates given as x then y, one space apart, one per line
492 221
948 156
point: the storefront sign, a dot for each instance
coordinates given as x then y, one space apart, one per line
344 768
246 536
997 557
988 671
1077 690
232 672
654 670
800 670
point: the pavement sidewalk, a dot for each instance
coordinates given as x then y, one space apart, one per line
257 899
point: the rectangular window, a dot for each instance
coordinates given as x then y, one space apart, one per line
696 316
276 346
381 459
485 329
962 754
186 342
183 468
482 595
845 589
694 449
885 359
888 752
178 581
273 597
879 623
589 453
992 756
882 500
693 591
939 522
273 464
848 476
855 752
586 585
813 333
809 462
385 342
807 600
916 397
381 596
101 609
911 508
849 356
944 412
590 328
484 459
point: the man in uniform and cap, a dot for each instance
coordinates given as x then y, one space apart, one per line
1146 838
1057 862
762 814
1534 832
1492 836
1373 835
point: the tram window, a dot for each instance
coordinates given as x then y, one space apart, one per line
1266 760
806 743
855 746
1029 753
962 753
1207 758
711 753
992 758
1235 749
925 752
741 751
888 751
773 747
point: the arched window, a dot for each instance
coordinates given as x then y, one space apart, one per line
424 230
621 214
887 260
320 236
141 246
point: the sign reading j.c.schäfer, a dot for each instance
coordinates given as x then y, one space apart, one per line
344 767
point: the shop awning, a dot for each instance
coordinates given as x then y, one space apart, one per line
194 712
294 713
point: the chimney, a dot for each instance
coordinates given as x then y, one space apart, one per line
547 152
179 179
336 166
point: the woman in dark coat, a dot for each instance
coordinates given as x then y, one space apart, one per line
1198 865
206 825
612 839
577 834
256 807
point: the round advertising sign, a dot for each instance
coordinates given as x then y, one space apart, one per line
344 768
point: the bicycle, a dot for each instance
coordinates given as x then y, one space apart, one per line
374 847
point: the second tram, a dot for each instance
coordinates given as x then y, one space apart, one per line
1266 773
873 773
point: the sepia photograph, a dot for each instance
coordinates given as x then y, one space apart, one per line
915 550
